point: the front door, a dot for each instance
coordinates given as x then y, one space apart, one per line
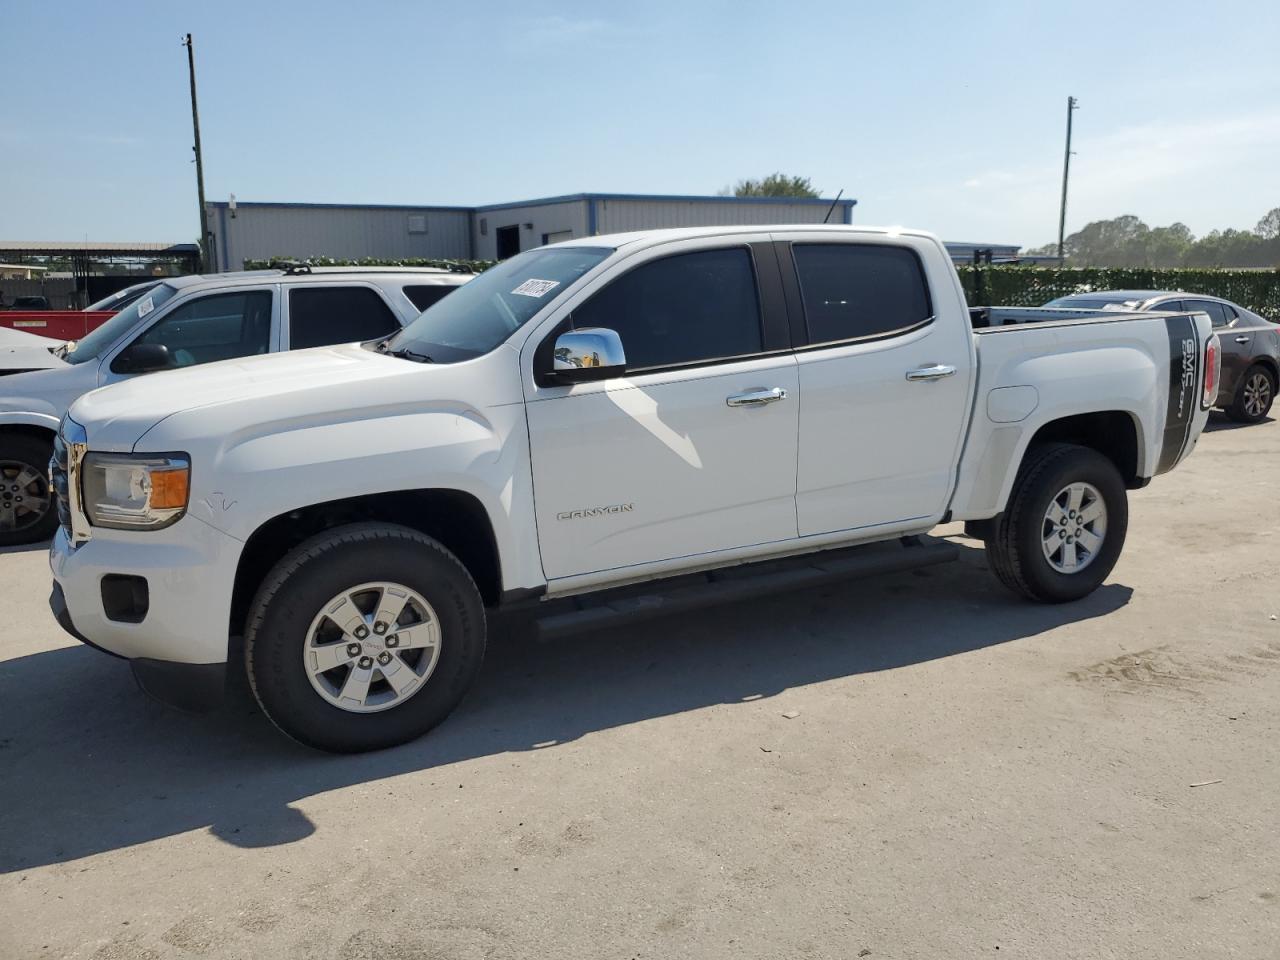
205 329
885 385
693 450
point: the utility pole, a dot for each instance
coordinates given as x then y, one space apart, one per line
1072 104
195 123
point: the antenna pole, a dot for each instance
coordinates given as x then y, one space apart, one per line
833 205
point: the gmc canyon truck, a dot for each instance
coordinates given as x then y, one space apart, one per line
609 427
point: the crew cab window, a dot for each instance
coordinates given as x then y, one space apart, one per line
217 327
323 316
851 291
681 309
424 295
1214 309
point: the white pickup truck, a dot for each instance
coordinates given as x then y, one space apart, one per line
613 426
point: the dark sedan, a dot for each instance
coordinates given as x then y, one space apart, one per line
1250 343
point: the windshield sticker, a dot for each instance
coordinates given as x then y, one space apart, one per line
145 307
536 288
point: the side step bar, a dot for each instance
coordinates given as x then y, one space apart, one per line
744 582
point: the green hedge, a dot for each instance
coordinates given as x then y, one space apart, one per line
476 265
1015 286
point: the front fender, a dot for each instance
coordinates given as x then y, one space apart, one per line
29 418
249 478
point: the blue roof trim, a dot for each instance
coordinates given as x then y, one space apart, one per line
665 198
343 206
846 204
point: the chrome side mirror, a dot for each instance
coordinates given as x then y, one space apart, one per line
592 353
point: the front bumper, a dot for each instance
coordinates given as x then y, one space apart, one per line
178 650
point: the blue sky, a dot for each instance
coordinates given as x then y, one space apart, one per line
946 116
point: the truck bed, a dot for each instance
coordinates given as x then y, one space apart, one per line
989 318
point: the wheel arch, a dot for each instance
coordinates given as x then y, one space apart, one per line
1270 362
457 519
38 430
1116 434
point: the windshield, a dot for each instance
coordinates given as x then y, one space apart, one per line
482 313
122 298
92 345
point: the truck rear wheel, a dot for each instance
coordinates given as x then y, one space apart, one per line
27 513
364 637
1065 525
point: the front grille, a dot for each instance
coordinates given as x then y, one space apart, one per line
58 480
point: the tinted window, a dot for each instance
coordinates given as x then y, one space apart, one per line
322 316
681 309
1215 311
218 327
859 290
1172 305
103 337
424 295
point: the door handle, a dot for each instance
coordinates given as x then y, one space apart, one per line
935 371
1243 339
756 398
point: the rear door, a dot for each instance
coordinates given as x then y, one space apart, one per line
885 382
321 315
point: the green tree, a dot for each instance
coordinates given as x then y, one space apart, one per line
774 185
1121 242
1268 227
1168 246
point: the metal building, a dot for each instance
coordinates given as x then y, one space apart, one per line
256 231
263 231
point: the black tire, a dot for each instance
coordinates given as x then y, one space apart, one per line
1015 548
27 511
294 592
1257 378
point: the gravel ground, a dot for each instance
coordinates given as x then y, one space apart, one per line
918 765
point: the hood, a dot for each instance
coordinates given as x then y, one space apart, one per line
261 395
26 351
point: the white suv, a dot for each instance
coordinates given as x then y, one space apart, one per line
182 322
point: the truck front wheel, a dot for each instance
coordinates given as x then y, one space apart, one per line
1065 525
364 637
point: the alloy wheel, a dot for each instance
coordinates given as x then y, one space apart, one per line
24 495
372 647
1074 528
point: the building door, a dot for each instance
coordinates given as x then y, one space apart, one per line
508 241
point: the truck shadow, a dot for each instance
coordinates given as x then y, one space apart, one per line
91 765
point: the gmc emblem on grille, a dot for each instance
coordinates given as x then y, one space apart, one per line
596 511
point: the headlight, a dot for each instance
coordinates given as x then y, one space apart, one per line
135 492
